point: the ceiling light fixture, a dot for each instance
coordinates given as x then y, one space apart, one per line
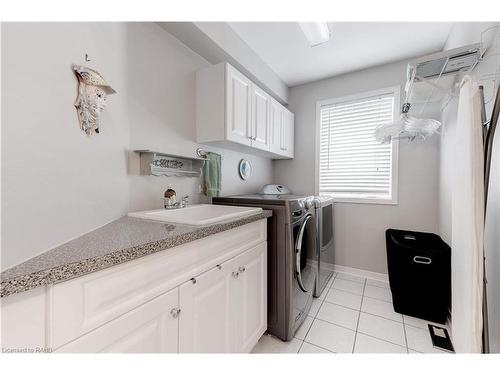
316 32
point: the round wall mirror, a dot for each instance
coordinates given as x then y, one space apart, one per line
245 169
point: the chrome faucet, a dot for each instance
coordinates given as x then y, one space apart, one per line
170 201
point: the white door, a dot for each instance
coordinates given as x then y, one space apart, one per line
250 291
238 105
288 133
150 328
260 118
206 322
276 123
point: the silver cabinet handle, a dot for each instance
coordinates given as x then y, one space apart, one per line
236 274
175 312
422 260
193 280
242 269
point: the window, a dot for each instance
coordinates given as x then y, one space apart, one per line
353 166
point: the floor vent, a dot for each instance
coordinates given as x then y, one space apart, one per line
441 338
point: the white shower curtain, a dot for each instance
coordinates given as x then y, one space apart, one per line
468 222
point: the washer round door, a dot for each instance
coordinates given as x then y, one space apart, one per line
304 234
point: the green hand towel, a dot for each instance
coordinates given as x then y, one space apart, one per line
212 175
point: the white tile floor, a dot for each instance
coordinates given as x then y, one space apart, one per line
354 315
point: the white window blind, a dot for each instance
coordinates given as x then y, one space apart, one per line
352 164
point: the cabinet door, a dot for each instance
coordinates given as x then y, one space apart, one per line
150 328
250 294
288 134
206 322
276 123
238 105
260 118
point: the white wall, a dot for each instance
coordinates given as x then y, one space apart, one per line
162 116
360 228
217 42
57 183
462 34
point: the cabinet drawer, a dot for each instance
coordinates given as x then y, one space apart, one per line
85 303
150 328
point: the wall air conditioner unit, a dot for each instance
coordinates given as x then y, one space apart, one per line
429 79
447 62
434 75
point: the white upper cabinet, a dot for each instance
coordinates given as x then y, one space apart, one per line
238 103
276 122
232 111
261 102
287 134
281 137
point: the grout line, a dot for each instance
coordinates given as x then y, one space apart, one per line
406 339
342 290
356 332
426 322
335 324
380 299
345 307
345 291
317 346
300 347
354 281
378 338
359 316
380 316
313 319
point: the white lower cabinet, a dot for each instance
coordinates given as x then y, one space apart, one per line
150 328
225 309
206 296
250 298
206 322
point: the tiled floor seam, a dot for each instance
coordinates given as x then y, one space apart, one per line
300 347
404 330
359 316
346 291
390 342
335 324
309 327
336 304
319 346
380 316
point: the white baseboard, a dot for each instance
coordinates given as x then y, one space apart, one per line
353 271
362 273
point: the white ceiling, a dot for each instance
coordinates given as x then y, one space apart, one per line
353 46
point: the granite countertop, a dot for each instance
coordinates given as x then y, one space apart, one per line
120 241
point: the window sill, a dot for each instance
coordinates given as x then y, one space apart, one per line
360 200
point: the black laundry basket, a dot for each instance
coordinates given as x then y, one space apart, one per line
419 274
